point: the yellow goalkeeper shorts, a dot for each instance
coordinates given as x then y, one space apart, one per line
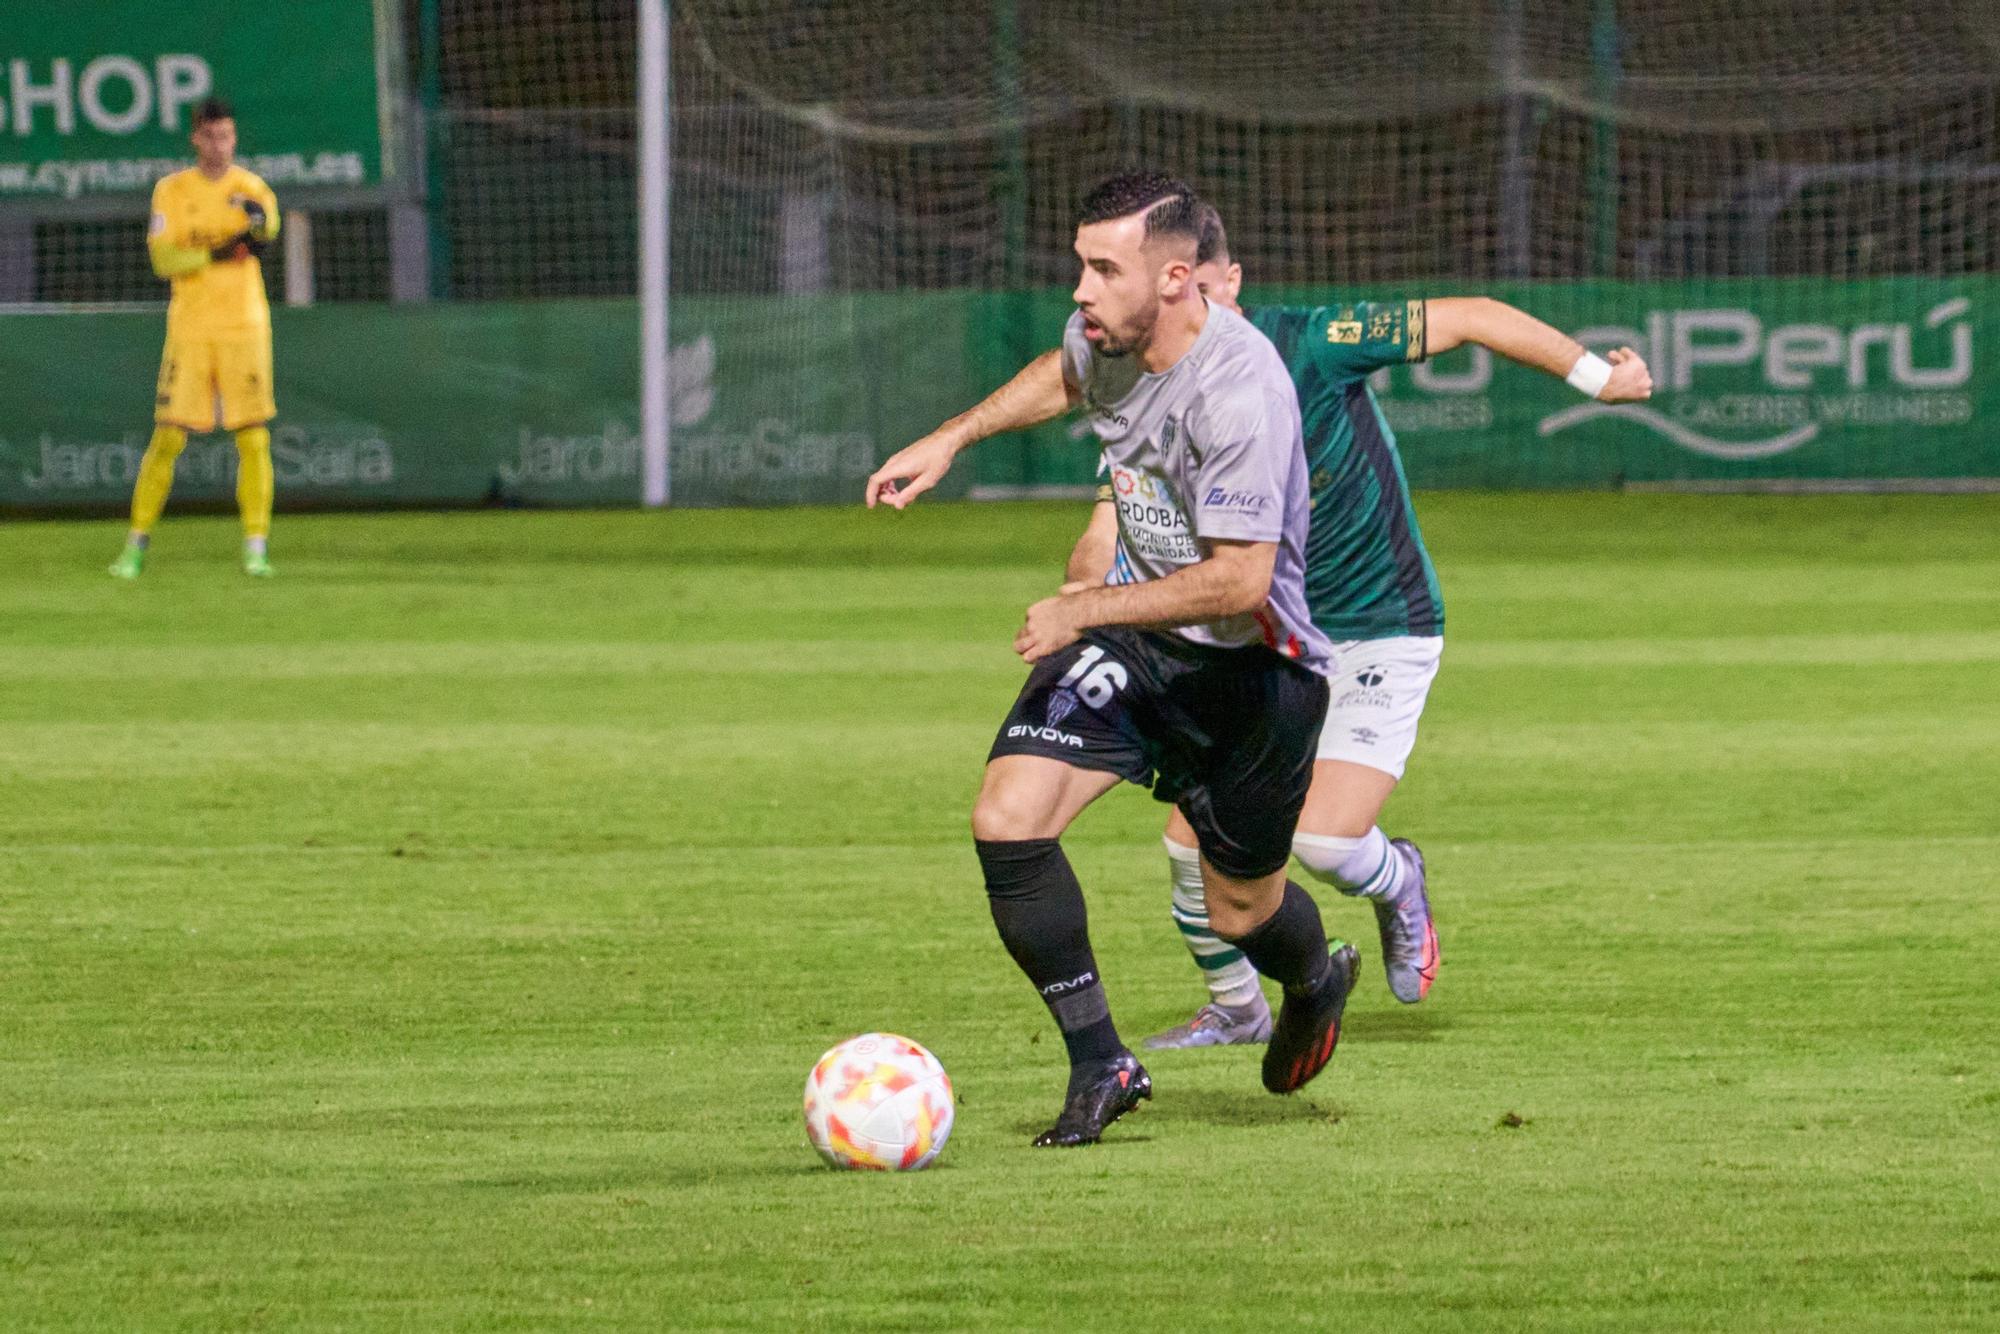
206 383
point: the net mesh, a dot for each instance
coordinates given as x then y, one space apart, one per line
1461 139
826 152
845 145
535 148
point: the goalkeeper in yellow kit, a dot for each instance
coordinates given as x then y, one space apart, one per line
209 225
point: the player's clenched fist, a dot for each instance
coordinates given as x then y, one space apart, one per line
918 467
1630 379
1047 628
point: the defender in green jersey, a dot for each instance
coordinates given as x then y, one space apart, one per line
1370 587
1368 575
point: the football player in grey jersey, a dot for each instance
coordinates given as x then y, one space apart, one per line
1200 675
1369 585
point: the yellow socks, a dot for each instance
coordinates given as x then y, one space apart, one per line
156 477
253 481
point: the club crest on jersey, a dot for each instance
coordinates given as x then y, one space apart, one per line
1062 703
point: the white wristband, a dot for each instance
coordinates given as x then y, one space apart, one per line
1590 374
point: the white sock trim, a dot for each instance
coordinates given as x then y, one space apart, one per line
1367 866
1324 856
1235 983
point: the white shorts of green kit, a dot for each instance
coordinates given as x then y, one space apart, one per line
1379 688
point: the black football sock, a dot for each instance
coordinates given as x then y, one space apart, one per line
1290 946
1038 907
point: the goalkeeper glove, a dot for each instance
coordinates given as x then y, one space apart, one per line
253 211
240 246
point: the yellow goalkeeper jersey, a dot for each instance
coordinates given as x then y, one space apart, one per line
191 216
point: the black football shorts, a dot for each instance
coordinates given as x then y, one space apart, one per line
1226 734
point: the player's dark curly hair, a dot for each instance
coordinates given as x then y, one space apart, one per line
1214 242
213 109
1169 202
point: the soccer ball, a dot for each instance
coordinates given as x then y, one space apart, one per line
880 1103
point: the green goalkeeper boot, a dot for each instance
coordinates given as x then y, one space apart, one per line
256 562
130 562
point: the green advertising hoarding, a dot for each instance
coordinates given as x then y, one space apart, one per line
1757 381
449 404
533 403
786 400
99 97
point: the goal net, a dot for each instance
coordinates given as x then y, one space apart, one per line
1791 209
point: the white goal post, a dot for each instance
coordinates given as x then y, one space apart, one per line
655 189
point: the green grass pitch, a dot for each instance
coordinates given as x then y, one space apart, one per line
438 937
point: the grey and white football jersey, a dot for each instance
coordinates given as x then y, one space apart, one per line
1208 448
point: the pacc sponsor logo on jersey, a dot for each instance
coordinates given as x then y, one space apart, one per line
1247 502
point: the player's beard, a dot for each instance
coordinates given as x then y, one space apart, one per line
1139 332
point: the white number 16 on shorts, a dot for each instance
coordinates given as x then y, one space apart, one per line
1379 688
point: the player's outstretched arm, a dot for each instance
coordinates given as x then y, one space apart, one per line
1091 559
1038 394
1231 578
1515 334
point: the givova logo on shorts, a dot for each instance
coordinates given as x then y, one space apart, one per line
1088 681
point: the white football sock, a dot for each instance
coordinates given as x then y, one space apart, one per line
1231 979
1366 867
